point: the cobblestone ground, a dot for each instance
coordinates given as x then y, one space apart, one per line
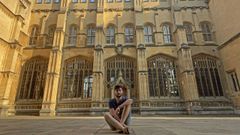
140 126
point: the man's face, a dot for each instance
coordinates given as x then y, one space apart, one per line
118 92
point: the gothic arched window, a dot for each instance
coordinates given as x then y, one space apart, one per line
51 32
207 31
34 35
110 35
162 77
33 77
77 79
129 34
189 31
91 31
167 33
207 76
72 39
148 34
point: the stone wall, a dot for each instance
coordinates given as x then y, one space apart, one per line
226 19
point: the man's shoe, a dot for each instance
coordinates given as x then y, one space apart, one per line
125 130
120 132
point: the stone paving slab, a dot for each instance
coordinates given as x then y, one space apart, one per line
140 126
106 131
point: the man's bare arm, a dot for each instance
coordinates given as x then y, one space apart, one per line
114 114
127 102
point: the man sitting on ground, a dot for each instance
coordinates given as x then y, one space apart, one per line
119 117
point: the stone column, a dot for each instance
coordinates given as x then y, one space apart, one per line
81 41
8 77
142 73
53 74
99 36
197 32
120 31
100 5
158 30
187 77
138 5
65 3
8 74
42 37
98 87
97 93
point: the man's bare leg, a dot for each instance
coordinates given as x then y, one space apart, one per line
109 123
113 122
125 113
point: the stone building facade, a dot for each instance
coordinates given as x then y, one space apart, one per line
228 39
14 22
63 57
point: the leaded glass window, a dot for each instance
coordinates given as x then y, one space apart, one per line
77 79
207 76
72 39
33 78
51 32
74 1
39 1
110 35
127 67
129 34
167 33
47 1
162 77
91 36
188 30
207 31
234 81
34 35
148 34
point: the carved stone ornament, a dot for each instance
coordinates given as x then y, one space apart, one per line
141 46
98 47
119 49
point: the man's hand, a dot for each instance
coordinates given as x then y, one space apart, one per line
117 110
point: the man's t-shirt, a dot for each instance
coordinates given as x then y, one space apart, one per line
114 104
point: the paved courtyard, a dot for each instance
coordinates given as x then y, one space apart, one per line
140 126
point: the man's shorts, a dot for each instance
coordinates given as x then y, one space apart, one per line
129 119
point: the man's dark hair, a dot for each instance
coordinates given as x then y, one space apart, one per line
120 86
